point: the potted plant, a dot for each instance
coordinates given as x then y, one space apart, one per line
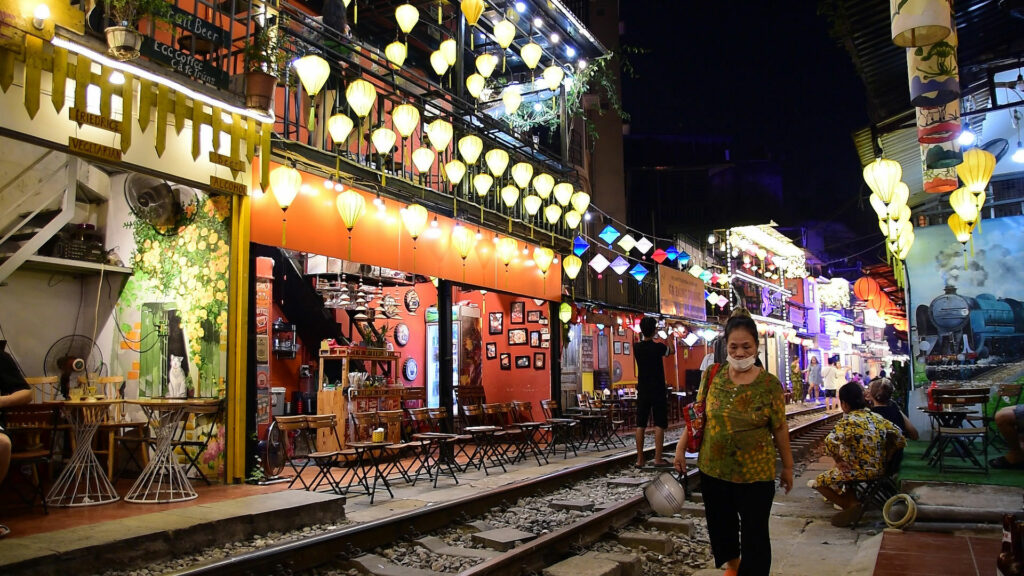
124 38
263 63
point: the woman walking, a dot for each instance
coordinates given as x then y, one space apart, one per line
746 412
814 378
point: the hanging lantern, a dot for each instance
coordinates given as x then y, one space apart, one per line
438 62
553 76
552 213
482 183
521 173
899 198
470 147
543 183
475 85
485 64
933 73
285 182
965 205
879 207
423 159
866 288
472 9
511 98
531 53
563 193
504 33
507 250
313 72
580 202
919 22
497 161
510 195
961 229
361 96
405 118
415 219
937 180
383 140
572 219
463 240
542 257
339 127
572 265
532 204
450 51
350 206
976 169
407 16
938 124
396 52
440 133
454 171
881 176
945 155
564 312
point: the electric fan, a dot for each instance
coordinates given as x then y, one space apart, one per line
158 203
70 357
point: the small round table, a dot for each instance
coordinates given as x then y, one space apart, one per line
163 480
83 482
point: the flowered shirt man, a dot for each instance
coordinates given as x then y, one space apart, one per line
861 444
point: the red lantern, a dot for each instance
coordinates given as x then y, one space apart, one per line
866 288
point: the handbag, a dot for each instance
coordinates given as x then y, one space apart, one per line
695 416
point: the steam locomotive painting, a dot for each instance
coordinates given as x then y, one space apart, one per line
959 334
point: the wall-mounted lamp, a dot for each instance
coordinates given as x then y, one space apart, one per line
40 15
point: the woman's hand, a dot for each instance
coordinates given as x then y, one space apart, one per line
679 463
786 479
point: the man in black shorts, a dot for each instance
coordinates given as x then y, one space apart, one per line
14 390
650 388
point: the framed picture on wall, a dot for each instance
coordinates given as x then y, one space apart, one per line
505 361
543 321
545 344
495 322
625 348
518 313
533 316
621 331
522 361
617 347
534 339
492 350
539 359
517 337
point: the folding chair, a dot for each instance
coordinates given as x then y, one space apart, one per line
874 493
561 429
32 429
294 427
324 460
958 441
461 441
193 449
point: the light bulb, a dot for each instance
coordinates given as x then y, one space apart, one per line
521 7
554 38
966 137
712 239
570 51
1018 156
538 22
40 15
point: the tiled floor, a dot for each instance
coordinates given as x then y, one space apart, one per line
927 554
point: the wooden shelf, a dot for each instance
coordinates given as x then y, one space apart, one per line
51 264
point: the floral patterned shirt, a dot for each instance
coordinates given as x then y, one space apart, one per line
858 444
738 445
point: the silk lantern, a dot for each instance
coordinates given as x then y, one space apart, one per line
553 76
532 204
406 118
564 312
472 9
962 231
351 205
510 195
440 133
475 85
497 161
573 219
543 257
485 64
965 205
438 62
383 140
396 52
450 51
482 183
580 201
543 183
507 249
572 265
361 96
407 16
313 72
512 98
454 171
285 182
504 34
463 240
976 169
339 126
919 22
470 147
423 159
552 213
521 174
563 193
531 53
414 217
881 176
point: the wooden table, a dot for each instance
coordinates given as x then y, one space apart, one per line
164 480
83 482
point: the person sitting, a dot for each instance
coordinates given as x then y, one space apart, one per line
879 397
14 391
1010 421
861 444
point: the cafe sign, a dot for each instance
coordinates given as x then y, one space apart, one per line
202 32
682 295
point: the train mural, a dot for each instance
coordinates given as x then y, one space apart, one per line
958 333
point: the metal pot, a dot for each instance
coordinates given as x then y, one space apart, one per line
124 42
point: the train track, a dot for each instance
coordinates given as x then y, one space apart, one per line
350 542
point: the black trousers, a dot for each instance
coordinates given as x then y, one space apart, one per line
737 516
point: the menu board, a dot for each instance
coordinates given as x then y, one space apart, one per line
587 353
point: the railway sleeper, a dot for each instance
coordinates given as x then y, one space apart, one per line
597 564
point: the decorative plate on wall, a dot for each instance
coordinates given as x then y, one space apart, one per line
401 334
412 301
389 306
410 369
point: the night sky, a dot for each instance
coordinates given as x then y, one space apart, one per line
770 78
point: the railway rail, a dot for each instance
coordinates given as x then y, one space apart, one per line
295 557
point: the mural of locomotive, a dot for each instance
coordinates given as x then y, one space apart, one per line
956 332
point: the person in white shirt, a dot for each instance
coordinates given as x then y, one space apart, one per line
833 377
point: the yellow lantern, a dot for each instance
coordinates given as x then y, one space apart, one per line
396 53
454 171
285 182
553 76
415 219
472 9
900 195
961 229
880 208
532 204
881 176
361 96
580 202
470 147
572 219
571 265
438 62
475 85
976 169
423 159
543 183
964 204
383 140
510 195
512 98
450 51
521 173
463 240
485 64
531 53
482 183
919 22
350 206
313 71
565 310
507 250
440 133
504 33
552 213
542 257
497 161
406 118
339 127
563 193
407 16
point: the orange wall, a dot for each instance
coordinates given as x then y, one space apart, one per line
379 238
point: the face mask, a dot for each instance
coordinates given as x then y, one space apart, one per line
742 365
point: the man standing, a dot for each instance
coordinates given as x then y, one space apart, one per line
650 389
13 391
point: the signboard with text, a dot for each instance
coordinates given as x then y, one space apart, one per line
681 294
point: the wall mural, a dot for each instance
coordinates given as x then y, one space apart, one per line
967 311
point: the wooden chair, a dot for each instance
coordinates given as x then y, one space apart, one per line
393 422
958 441
561 429
461 441
611 423
33 430
295 427
325 460
363 424
193 448
1005 395
45 389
